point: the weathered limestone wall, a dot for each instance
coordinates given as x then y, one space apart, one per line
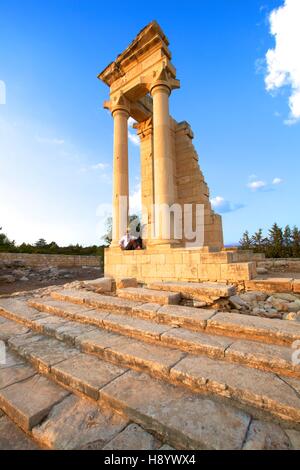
59 261
288 265
191 185
179 264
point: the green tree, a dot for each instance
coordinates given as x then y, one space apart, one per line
245 242
5 243
295 242
275 242
41 243
287 242
258 241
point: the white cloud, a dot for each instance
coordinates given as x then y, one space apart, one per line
131 121
132 136
283 62
256 185
134 139
135 200
223 206
50 141
277 181
100 166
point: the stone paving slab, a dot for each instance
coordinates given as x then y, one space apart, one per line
76 423
16 373
86 373
135 327
197 342
18 310
294 437
271 285
133 438
189 421
250 386
11 359
10 328
188 317
12 438
126 351
66 310
105 302
263 356
29 401
44 352
196 290
296 286
148 295
266 436
282 332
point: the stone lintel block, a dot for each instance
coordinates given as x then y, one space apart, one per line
238 271
220 258
270 285
124 282
296 286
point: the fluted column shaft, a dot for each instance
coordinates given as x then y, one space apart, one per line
163 162
120 174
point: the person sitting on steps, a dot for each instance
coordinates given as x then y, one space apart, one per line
128 242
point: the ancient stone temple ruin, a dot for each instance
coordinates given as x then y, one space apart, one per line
173 187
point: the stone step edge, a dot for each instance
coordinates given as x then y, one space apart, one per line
150 424
147 295
264 407
261 335
184 345
81 394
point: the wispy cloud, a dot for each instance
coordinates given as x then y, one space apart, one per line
134 139
277 181
223 206
256 184
132 136
100 166
283 61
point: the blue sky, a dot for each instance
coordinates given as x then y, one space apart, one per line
56 139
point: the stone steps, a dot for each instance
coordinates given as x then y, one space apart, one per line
261 393
280 332
182 418
267 357
13 438
41 412
202 291
141 294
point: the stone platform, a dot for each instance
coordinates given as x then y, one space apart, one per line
166 263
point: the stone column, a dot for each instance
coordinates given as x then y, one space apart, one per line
145 133
163 162
120 173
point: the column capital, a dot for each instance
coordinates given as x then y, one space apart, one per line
144 129
164 81
119 103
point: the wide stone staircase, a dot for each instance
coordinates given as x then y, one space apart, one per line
136 370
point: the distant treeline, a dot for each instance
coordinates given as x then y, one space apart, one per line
42 247
279 243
